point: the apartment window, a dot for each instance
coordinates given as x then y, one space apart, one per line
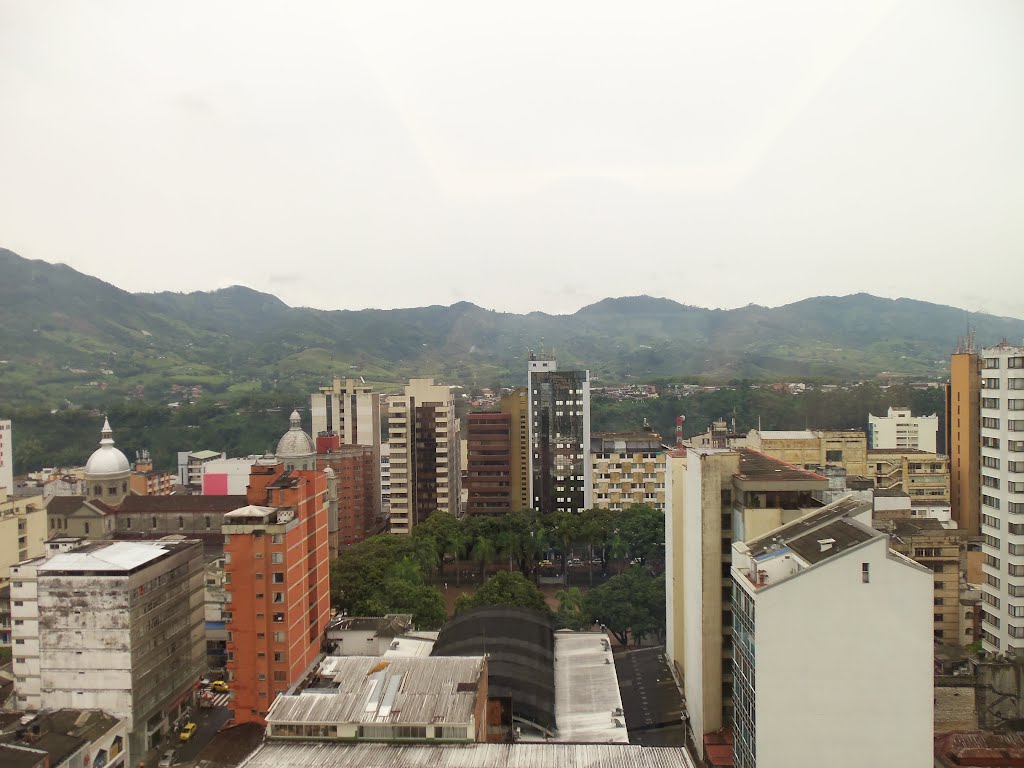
279 637
1015 362
1015 549
181 523
87 528
1013 570
154 522
128 523
1015 425
990 402
991 599
279 618
278 577
865 572
990 442
1016 508
277 558
991 363
279 657
1017 529
991 541
207 521
1015 404
993 581
833 455
277 538
1015 383
993 562
1015 466
990 501
279 597
1015 487
280 676
990 482
989 423
990 461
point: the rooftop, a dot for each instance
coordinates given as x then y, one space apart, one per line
203 455
788 434
588 707
847 506
181 503
756 466
126 556
390 625
367 689
830 540
318 755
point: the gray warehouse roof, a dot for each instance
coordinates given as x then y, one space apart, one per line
320 755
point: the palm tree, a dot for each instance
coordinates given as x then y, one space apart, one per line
483 552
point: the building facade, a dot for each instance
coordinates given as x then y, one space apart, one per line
899 428
6 456
424 455
516 405
276 585
227 477
489 481
813 449
1002 498
919 474
810 678
627 468
559 420
22 530
717 496
117 626
146 481
963 437
355 492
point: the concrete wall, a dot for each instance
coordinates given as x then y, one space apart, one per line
828 686
22 530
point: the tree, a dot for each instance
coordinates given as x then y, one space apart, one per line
570 608
441 531
633 601
504 588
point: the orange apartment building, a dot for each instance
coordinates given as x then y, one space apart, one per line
276 583
963 437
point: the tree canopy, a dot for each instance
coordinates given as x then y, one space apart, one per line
632 603
504 588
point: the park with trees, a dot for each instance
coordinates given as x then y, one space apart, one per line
607 564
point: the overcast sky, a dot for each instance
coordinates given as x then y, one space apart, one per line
522 156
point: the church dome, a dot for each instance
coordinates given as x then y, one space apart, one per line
295 443
106 461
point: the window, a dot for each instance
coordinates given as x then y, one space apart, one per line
280 676
990 383
87 528
207 520
279 597
279 637
990 501
279 618
1015 466
991 363
990 461
277 557
865 572
1015 425
993 562
1017 529
154 521
277 538
990 482
990 442
278 577
1015 404
1015 362
181 523
279 657
989 423
128 523
1015 383
990 402
1015 446
833 455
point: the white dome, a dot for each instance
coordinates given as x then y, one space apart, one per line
107 461
295 443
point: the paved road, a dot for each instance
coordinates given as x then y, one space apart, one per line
210 721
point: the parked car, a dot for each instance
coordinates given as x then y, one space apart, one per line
166 759
219 686
188 731
575 562
546 564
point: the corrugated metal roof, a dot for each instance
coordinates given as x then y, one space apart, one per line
587 700
398 690
321 755
120 555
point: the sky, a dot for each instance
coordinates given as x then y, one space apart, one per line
523 156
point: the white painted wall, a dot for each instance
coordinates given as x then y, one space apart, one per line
844 668
899 429
6 456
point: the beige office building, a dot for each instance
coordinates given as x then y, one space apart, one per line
627 468
424 440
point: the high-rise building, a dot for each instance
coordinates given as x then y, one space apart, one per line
717 496
627 468
276 584
22 530
423 434
6 456
351 410
919 474
489 464
559 417
117 626
900 429
1002 498
355 490
516 405
831 646
963 436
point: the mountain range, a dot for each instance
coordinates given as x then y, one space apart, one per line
70 336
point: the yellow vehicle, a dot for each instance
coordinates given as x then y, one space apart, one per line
219 686
188 731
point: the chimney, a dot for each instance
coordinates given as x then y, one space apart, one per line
826 544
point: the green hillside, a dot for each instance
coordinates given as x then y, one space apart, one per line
68 336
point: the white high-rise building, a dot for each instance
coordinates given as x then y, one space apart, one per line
349 409
6 456
1002 498
832 647
424 440
559 420
900 429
